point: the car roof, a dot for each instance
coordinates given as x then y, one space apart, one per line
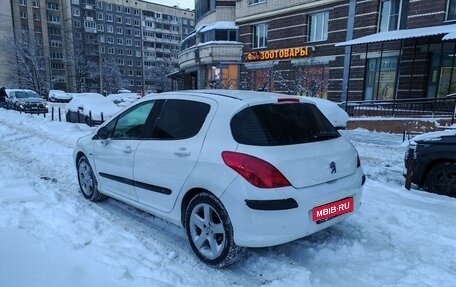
242 95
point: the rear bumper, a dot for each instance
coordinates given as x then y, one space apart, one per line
261 227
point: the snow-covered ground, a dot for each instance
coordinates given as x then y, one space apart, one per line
51 236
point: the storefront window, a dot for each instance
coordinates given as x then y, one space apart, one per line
380 79
442 73
451 15
223 77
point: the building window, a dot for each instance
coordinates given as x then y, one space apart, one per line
23 15
23 2
100 27
99 16
119 9
451 14
119 41
109 18
318 27
77 23
380 78
392 15
109 7
36 17
109 29
75 2
136 12
127 21
35 4
76 12
118 19
53 6
256 1
260 35
99 5
119 30
53 19
127 10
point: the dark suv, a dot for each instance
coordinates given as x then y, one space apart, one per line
26 101
431 162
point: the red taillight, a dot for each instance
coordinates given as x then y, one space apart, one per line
256 171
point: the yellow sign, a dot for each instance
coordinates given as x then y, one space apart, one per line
278 54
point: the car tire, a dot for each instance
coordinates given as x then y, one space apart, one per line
441 179
210 232
88 183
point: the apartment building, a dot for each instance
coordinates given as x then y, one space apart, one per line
211 55
336 49
124 44
100 46
405 51
6 29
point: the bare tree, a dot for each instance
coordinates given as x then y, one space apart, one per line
112 78
311 80
85 67
156 75
26 56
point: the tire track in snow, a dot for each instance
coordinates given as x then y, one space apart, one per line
154 235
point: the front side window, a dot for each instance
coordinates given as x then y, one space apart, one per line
260 35
318 27
281 124
130 125
180 119
392 15
451 14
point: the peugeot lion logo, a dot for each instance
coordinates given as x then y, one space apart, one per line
332 166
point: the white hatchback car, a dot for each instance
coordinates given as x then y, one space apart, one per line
236 169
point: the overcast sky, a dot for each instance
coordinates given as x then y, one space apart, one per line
181 3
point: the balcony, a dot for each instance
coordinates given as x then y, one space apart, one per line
211 52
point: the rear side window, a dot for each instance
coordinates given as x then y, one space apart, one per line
180 119
281 124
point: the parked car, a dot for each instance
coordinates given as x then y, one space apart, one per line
236 169
89 108
335 114
433 165
59 96
123 99
26 101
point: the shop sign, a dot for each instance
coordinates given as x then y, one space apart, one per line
278 54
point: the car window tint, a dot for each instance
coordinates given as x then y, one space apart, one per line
130 125
180 119
281 124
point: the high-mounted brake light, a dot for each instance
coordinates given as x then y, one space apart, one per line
288 100
258 172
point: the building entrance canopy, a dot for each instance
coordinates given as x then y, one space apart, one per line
449 32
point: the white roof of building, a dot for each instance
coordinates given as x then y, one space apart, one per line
448 30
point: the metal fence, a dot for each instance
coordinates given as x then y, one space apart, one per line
403 108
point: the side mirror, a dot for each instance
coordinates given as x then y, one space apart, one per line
102 133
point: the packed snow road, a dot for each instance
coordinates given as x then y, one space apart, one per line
51 236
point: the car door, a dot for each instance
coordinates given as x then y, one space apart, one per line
114 158
165 160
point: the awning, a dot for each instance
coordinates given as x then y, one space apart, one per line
403 34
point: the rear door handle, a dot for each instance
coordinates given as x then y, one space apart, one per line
182 152
127 149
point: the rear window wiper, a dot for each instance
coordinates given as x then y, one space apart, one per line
326 135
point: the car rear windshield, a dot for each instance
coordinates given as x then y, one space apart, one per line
281 124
